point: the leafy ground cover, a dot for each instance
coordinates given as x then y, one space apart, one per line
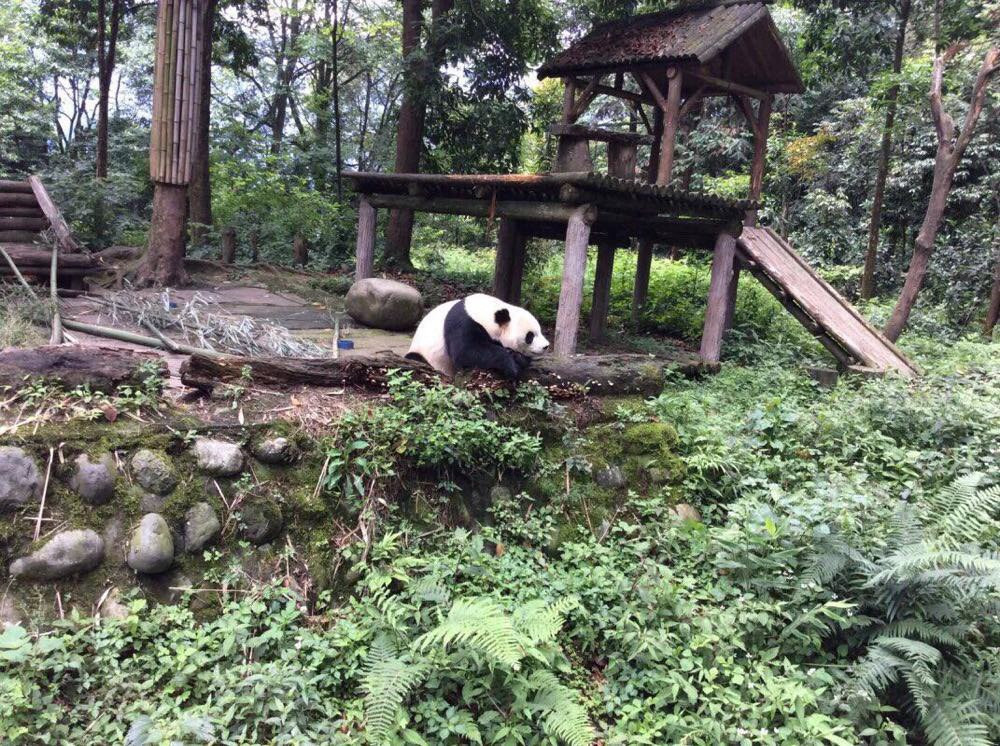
841 587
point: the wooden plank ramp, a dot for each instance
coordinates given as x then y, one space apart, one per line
848 335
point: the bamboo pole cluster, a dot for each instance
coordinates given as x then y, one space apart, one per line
176 91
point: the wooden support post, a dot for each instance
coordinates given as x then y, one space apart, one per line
569 100
364 258
644 260
718 297
504 265
731 299
761 131
602 290
574 267
671 121
517 268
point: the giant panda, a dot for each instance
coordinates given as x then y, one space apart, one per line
478 331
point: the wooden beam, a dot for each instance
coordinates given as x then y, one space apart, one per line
671 122
617 93
727 85
653 88
602 290
723 263
693 99
586 97
522 210
571 294
56 222
365 251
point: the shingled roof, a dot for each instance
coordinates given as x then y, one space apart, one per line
695 34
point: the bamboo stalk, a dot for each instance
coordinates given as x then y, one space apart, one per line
57 332
18 275
139 339
45 491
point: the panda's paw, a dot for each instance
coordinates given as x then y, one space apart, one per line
521 361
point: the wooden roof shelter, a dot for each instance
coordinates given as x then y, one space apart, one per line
662 64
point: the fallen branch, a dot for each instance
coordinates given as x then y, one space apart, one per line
45 491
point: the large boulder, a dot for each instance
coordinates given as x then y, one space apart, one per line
218 458
201 526
152 547
153 472
384 304
20 480
67 553
94 479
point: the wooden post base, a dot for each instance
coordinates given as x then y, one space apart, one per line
365 250
602 290
640 292
719 296
574 267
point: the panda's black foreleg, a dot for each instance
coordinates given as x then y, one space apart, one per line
492 357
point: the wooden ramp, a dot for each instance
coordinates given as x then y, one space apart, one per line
821 309
26 211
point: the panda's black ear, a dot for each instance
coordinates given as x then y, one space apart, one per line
502 317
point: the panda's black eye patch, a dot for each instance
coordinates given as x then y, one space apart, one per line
530 338
502 317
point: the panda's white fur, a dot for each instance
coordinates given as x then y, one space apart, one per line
519 332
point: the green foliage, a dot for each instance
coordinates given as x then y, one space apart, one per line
270 207
440 428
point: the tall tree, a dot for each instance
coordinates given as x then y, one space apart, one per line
951 147
885 152
107 49
417 79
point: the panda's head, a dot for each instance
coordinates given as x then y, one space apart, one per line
512 326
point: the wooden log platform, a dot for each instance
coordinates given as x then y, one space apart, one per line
594 375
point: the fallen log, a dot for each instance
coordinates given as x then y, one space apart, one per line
102 368
596 375
29 255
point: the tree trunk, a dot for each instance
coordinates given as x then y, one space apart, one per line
409 134
200 190
420 70
163 263
993 313
228 253
300 250
107 45
882 174
951 148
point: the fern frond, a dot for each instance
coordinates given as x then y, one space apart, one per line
429 589
948 722
482 624
386 681
563 717
922 630
964 513
912 650
540 622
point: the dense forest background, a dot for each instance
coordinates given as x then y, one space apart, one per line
302 90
